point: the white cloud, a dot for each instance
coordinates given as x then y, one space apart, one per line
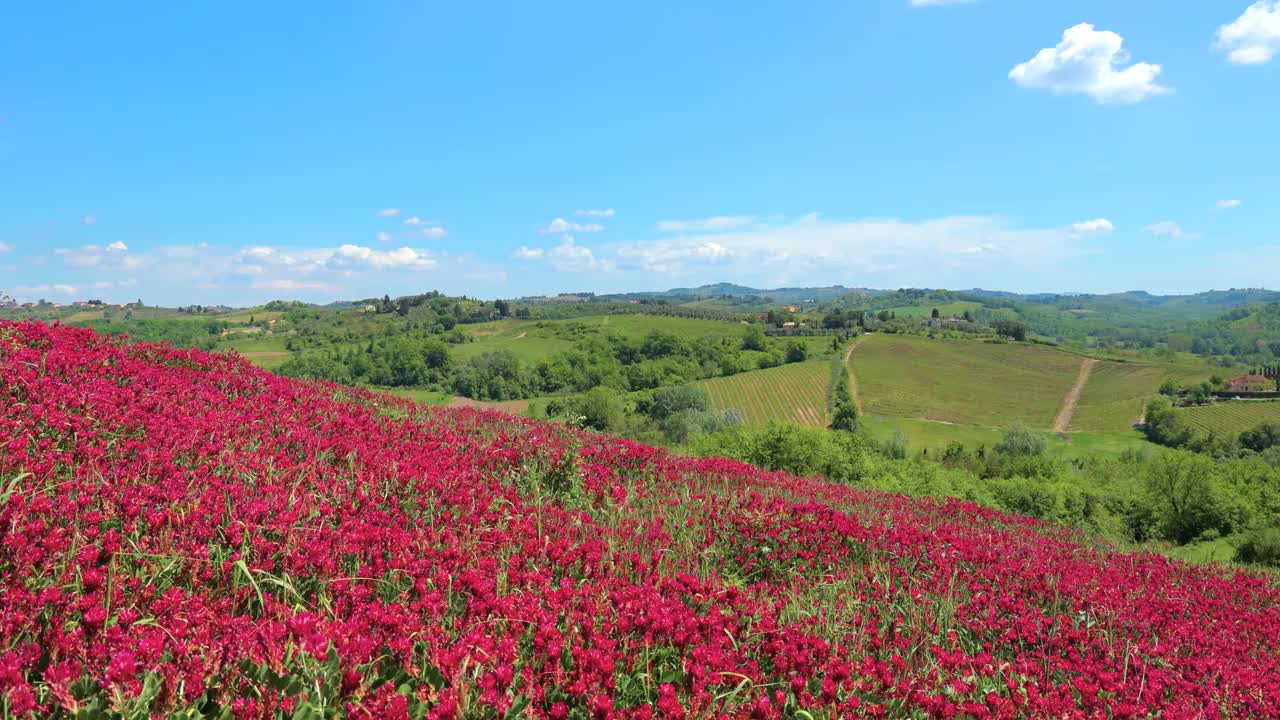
1169 229
799 251
384 237
525 252
358 256
434 232
6 247
1254 37
345 257
115 255
1228 204
65 288
560 225
389 212
671 256
300 260
287 284
720 223
89 220
418 222
569 256
129 283
1088 61
606 213
1098 225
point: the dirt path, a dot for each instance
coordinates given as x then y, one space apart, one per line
526 332
853 378
1069 403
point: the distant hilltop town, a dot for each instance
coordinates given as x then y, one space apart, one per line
85 304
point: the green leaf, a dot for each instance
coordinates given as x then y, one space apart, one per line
307 711
13 485
434 677
517 707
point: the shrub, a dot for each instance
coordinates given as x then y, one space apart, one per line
1021 441
797 351
1163 426
1261 438
1261 547
668 401
680 426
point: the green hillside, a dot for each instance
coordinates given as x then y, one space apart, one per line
961 381
1115 393
795 393
1232 417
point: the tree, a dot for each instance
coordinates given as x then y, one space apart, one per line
1262 546
1164 426
668 401
753 338
797 351
680 426
845 418
1181 484
1012 329
935 314
502 307
600 408
1021 441
1260 438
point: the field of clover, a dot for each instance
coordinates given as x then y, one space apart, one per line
182 535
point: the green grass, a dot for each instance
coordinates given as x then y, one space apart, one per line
1115 394
794 393
243 316
951 309
935 436
962 381
523 340
1231 417
1221 550
422 397
533 340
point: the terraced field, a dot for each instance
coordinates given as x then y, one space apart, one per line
795 393
963 381
1231 417
534 340
1116 392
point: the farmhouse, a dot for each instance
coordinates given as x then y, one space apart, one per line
1249 384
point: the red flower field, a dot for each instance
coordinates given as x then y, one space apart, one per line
187 536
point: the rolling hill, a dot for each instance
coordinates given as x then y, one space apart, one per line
962 382
793 393
182 535
1226 419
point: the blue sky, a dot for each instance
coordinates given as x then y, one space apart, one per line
238 152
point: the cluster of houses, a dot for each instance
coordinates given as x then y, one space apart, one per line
1263 383
1249 384
78 304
